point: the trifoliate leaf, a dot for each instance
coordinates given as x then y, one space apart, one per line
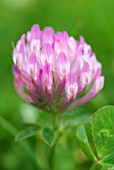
103 134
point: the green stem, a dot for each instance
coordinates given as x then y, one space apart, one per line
52 157
53 148
55 121
95 166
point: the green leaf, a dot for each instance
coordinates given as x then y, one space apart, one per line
48 136
103 134
26 133
83 140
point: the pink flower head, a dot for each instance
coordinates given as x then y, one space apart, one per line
53 70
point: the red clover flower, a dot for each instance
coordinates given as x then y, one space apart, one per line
53 70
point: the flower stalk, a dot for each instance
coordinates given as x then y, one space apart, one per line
95 166
53 148
52 157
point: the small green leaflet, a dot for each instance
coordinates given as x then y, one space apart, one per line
82 138
26 133
48 136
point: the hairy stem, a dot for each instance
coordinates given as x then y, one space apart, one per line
52 157
95 166
53 148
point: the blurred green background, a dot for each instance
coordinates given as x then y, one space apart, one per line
92 19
